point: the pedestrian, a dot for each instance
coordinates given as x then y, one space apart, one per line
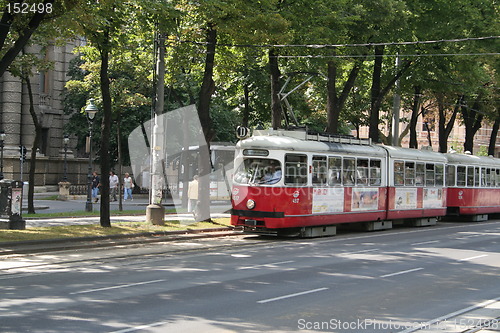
193 194
128 185
96 183
113 185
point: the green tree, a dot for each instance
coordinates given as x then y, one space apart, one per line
20 19
110 26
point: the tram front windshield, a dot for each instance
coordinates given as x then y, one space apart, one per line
258 171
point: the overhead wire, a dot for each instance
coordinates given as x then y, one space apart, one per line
327 46
319 46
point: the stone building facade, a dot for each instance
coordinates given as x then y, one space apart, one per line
17 123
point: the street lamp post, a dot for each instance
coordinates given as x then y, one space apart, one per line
2 142
90 110
66 142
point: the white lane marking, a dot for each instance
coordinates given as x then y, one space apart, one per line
271 265
116 287
475 257
359 252
137 328
291 295
402 272
449 316
423 243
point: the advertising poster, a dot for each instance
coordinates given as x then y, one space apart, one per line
433 197
406 198
328 200
364 199
16 201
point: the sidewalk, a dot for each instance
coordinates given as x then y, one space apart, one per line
78 204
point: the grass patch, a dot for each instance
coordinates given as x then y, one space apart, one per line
50 197
91 230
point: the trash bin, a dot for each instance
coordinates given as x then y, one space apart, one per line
11 199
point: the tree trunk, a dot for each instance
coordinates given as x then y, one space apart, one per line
120 170
34 148
378 93
105 220
334 103
275 88
494 134
206 91
446 127
414 117
472 121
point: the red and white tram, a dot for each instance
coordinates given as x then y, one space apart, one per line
294 183
416 187
473 186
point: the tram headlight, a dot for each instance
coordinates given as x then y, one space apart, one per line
250 204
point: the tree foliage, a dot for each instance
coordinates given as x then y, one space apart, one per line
351 82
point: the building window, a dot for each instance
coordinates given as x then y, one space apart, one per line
44 141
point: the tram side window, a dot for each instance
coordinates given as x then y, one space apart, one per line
488 177
439 168
461 172
429 174
498 177
420 174
450 175
470 176
476 177
348 171
375 174
295 169
319 170
399 176
409 173
483 177
362 171
334 171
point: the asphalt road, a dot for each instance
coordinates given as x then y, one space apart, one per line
354 282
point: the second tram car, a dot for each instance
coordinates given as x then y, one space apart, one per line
473 186
295 183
